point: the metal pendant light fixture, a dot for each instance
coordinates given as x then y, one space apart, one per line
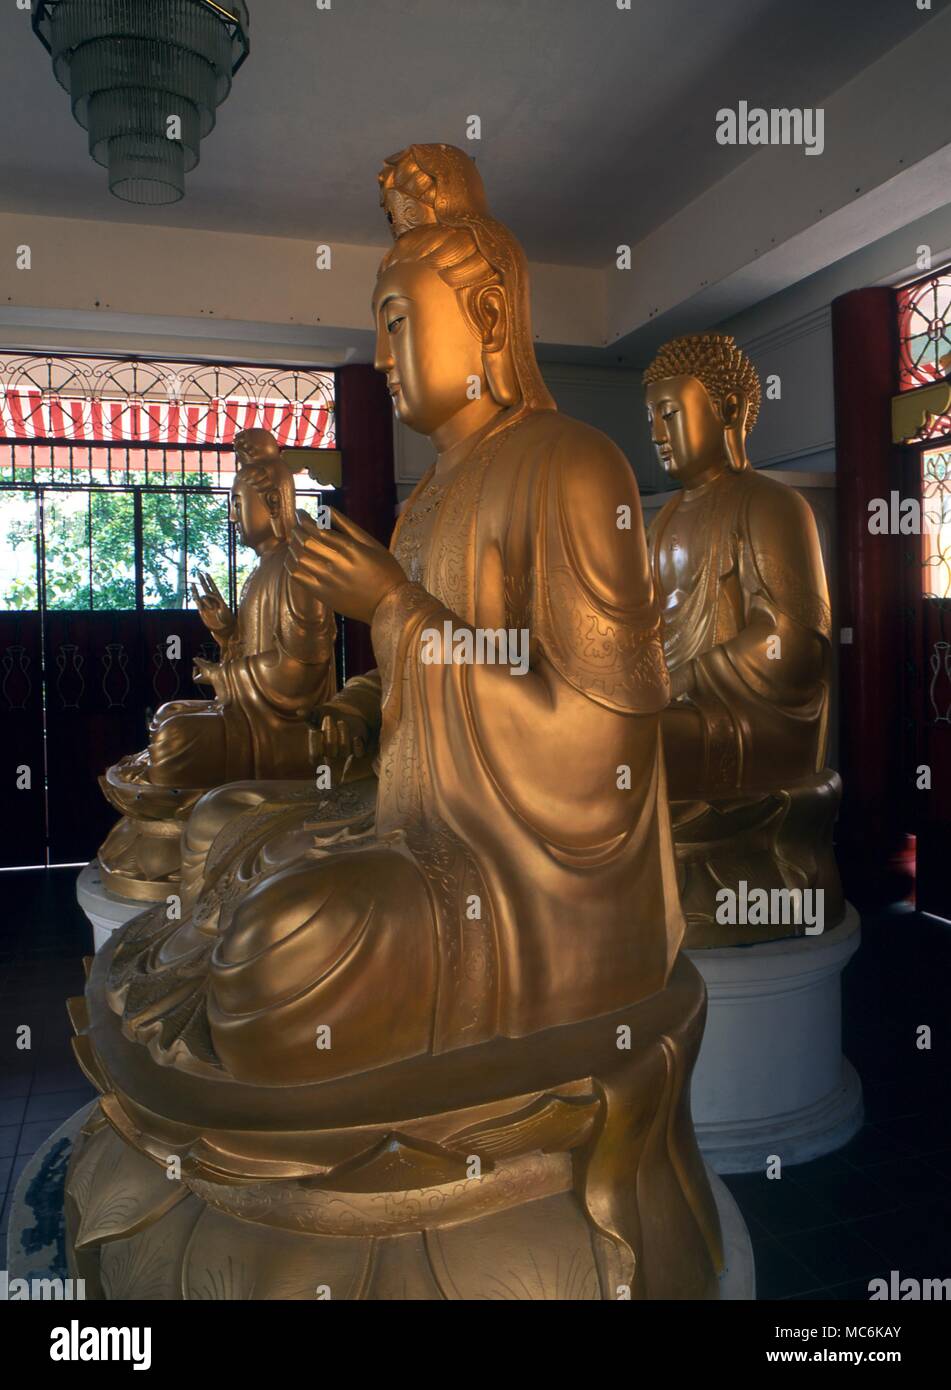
145 78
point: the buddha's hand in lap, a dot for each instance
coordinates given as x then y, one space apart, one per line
339 733
347 568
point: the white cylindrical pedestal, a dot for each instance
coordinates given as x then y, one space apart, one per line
738 1280
106 911
771 1077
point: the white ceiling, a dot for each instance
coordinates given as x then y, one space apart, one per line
597 123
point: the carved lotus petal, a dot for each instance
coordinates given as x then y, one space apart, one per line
116 1191
229 1259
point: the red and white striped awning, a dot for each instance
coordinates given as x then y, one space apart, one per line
31 414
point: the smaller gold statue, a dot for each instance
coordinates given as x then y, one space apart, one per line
736 559
276 665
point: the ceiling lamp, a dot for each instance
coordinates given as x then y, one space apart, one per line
145 78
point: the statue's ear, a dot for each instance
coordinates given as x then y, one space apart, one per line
490 312
734 411
275 506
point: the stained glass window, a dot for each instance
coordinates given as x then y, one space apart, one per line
936 523
924 334
924 326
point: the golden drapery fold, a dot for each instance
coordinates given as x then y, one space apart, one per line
525 770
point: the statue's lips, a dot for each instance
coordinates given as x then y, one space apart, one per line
393 387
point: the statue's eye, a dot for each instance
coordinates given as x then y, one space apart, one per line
668 413
393 324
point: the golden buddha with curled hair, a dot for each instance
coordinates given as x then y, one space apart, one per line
736 561
455 1032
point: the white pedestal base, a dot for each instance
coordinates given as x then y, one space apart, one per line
106 911
771 1077
738 1280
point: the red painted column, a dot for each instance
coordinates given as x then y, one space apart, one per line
364 423
870 833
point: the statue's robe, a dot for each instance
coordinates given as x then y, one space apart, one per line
756 575
520 873
215 829
276 666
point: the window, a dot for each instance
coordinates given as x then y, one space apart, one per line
936 523
115 475
924 333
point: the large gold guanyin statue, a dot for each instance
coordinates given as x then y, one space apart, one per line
736 561
276 667
436 1042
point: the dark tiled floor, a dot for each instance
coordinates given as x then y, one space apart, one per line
41 952
822 1230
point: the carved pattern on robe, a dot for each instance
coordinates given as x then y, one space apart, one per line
797 600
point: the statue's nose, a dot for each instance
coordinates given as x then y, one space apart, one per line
383 358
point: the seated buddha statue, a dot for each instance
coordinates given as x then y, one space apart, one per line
737 565
276 665
438 1046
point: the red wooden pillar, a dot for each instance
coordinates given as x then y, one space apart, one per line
870 832
364 423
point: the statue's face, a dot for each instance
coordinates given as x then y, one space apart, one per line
249 512
686 428
425 346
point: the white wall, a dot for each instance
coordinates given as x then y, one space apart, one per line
134 283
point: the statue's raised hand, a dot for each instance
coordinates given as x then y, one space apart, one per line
347 569
214 611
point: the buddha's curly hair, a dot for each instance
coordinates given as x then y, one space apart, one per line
716 361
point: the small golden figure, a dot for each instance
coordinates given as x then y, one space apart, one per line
276 665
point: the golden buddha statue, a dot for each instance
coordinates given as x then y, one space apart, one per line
736 560
438 1045
276 665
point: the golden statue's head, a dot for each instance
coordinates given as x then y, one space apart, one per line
703 397
451 300
263 500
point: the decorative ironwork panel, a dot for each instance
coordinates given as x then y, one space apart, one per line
22 779
179 408
936 523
